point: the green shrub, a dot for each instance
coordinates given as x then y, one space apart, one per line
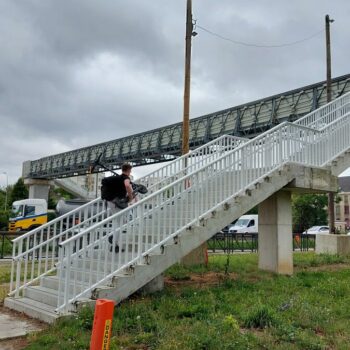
260 316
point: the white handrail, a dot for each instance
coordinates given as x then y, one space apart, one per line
167 212
325 114
42 242
37 250
189 162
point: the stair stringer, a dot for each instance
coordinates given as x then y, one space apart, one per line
123 286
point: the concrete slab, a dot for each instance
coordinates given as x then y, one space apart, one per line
13 324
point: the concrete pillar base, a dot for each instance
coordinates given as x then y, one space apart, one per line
275 234
156 285
38 188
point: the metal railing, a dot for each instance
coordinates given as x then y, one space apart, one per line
42 243
248 242
190 162
326 114
166 213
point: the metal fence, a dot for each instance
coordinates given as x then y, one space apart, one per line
221 242
248 242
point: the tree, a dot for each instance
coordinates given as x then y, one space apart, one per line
2 198
309 210
19 191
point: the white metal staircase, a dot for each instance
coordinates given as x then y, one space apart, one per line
35 254
184 208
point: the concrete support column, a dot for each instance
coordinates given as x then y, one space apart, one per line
38 188
275 234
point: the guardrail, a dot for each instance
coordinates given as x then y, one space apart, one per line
43 241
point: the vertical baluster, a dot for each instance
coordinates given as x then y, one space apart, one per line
143 233
47 246
13 265
18 271
41 239
33 255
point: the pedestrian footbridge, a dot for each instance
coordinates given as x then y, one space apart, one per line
72 260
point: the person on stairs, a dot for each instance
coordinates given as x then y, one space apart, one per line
123 189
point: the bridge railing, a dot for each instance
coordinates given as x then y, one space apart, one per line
327 113
190 162
35 253
157 219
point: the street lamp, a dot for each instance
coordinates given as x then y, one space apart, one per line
7 185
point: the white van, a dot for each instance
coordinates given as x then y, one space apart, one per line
245 224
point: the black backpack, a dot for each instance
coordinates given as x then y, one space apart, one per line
109 187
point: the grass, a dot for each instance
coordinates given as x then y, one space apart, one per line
245 309
5 276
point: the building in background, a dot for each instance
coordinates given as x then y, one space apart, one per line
342 216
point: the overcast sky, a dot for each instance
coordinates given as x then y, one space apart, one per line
78 72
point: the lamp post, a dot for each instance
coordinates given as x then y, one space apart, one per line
7 185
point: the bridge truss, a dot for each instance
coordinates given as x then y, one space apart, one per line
163 144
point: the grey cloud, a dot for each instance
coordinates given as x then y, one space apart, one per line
78 72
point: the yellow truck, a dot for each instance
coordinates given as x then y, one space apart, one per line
27 214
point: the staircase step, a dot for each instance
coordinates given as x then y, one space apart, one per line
51 282
42 294
32 308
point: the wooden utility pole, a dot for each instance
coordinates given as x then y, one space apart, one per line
186 115
198 256
329 98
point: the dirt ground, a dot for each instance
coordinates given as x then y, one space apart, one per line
200 280
14 344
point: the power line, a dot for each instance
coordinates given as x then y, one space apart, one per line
236 42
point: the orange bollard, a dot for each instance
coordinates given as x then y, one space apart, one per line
206 259
102 327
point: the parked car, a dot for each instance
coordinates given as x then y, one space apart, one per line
226 229
314 230
245 224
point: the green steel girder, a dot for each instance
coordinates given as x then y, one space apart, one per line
164 144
